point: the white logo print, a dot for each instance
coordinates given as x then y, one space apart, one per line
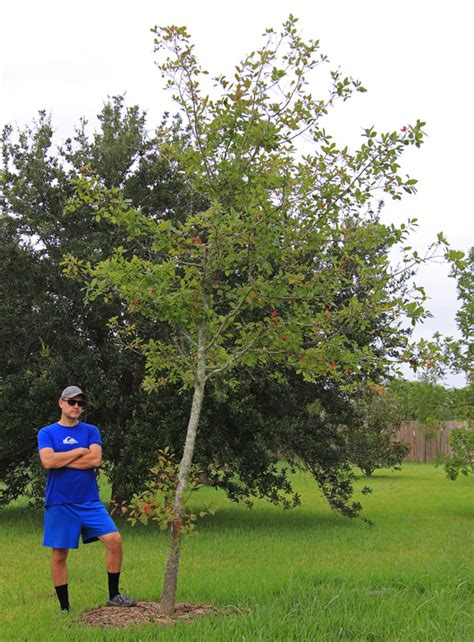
69 440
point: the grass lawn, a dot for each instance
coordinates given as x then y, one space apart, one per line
303 575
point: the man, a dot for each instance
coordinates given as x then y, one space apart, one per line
71 450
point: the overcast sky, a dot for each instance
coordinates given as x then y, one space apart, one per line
415 58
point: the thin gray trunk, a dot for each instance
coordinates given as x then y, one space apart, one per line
168 598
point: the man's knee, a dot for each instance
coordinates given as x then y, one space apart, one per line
59 555
112 540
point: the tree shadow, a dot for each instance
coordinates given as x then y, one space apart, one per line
269 519
21 516
228 518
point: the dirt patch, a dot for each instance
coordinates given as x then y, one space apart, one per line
144 613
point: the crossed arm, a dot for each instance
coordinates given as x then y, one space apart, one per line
79 458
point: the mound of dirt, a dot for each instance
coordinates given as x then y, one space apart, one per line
144 613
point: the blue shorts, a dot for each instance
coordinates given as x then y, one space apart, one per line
64 523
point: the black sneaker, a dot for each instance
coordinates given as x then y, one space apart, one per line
121 600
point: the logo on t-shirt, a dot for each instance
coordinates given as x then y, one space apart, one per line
69 440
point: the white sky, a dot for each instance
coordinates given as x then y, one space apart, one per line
414 56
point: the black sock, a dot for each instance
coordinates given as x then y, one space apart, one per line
113 584
63 596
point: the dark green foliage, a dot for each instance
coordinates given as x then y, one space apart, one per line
246 430
249 428
50 337
371 433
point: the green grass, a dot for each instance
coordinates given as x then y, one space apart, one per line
306 574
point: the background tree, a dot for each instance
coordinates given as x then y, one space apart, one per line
49 336
424 401
461 458
462 351
262 276
461 440
371 432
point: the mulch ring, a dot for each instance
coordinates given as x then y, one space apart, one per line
144 613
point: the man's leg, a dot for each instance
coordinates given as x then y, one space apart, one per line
113 563
59 575
113 551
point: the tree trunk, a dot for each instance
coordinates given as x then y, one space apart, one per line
168 598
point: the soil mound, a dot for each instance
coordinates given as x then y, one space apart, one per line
144 613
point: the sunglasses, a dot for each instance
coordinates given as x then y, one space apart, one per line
73 402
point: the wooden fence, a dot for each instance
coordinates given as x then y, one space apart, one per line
425 443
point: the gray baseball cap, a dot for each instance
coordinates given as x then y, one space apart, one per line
71 391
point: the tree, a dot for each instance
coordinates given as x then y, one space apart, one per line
60 338
461 458
263 276
462 351
461 440
371 432
425 402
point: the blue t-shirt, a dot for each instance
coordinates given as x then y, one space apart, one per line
68 485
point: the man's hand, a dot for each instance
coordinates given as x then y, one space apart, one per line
51 459
91 459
